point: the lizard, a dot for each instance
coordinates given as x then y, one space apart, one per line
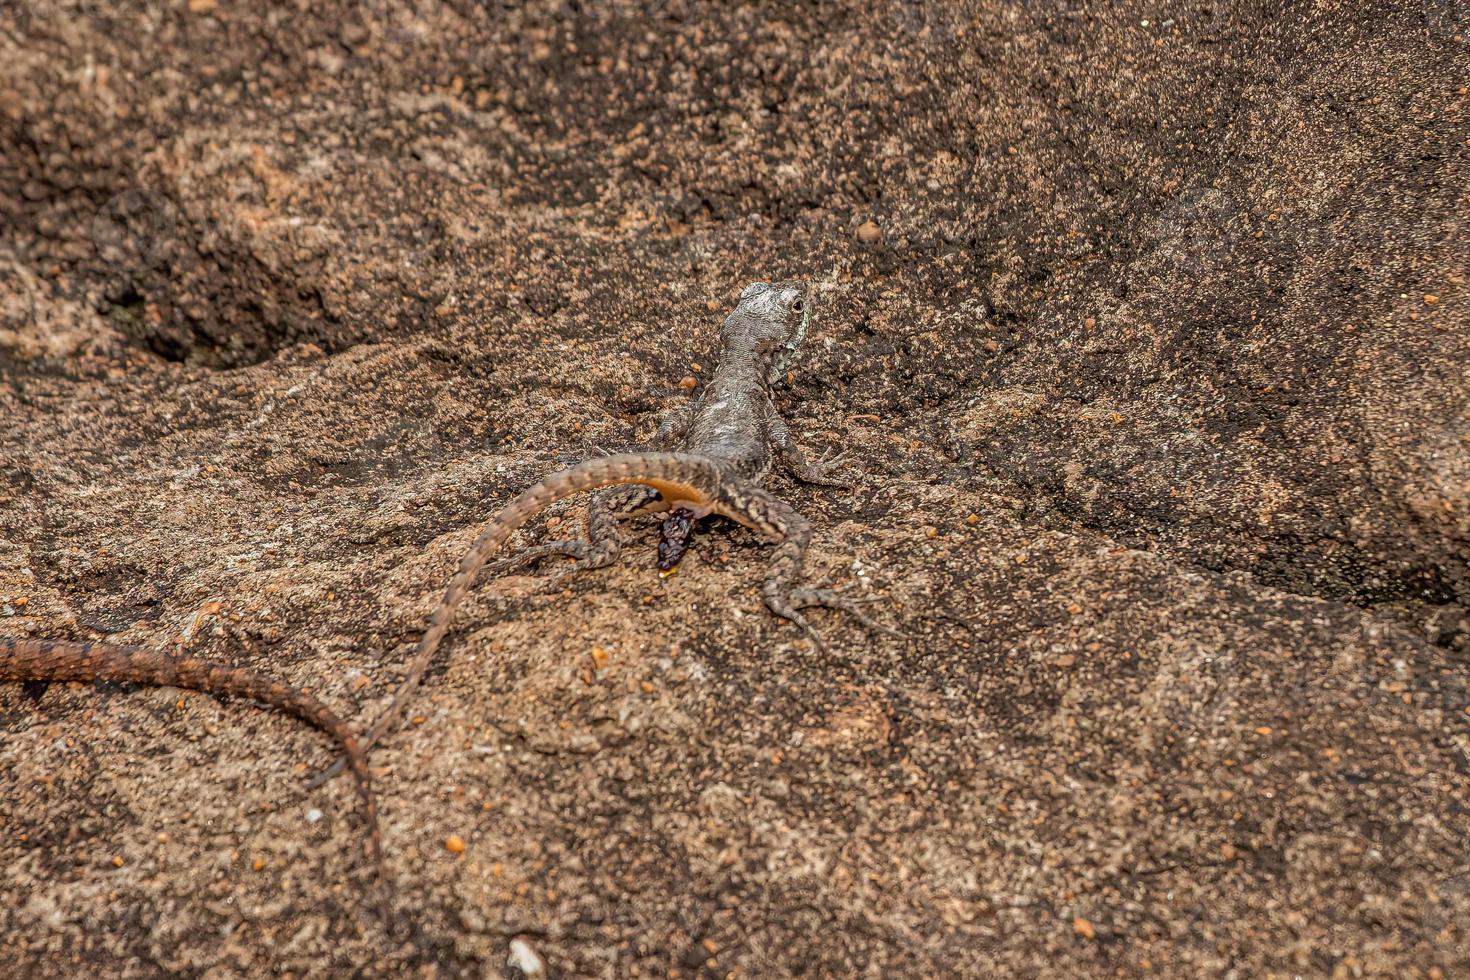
58 660
725 444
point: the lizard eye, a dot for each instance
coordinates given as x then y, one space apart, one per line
797 305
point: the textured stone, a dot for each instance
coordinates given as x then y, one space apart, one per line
292 298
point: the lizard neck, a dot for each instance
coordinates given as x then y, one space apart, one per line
743 369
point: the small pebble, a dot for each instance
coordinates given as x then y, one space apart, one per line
526 959
688 381
454 844
117 861
868 233
1084 928
1066 660
313 815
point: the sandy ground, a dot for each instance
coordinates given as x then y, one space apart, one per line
1146 324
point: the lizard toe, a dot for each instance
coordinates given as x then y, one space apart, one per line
789 610
532 555
804 596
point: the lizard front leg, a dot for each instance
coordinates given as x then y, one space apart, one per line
797 462
673 425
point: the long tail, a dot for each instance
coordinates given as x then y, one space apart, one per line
677 476
54 660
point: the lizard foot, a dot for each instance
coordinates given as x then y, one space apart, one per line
803 597
820 472
787 611
585 557
530 556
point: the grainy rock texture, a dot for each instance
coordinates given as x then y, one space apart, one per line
1145 323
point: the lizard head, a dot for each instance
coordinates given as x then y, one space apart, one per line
770 322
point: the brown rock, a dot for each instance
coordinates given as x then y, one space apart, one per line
222 377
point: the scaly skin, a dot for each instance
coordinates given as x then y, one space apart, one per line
54 660
727 443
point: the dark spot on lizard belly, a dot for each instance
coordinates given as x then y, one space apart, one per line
675 536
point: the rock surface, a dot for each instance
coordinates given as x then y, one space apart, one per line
1147 326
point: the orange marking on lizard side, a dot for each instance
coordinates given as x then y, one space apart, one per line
673 491
679 492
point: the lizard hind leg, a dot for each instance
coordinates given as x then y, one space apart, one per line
604 541
775 518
